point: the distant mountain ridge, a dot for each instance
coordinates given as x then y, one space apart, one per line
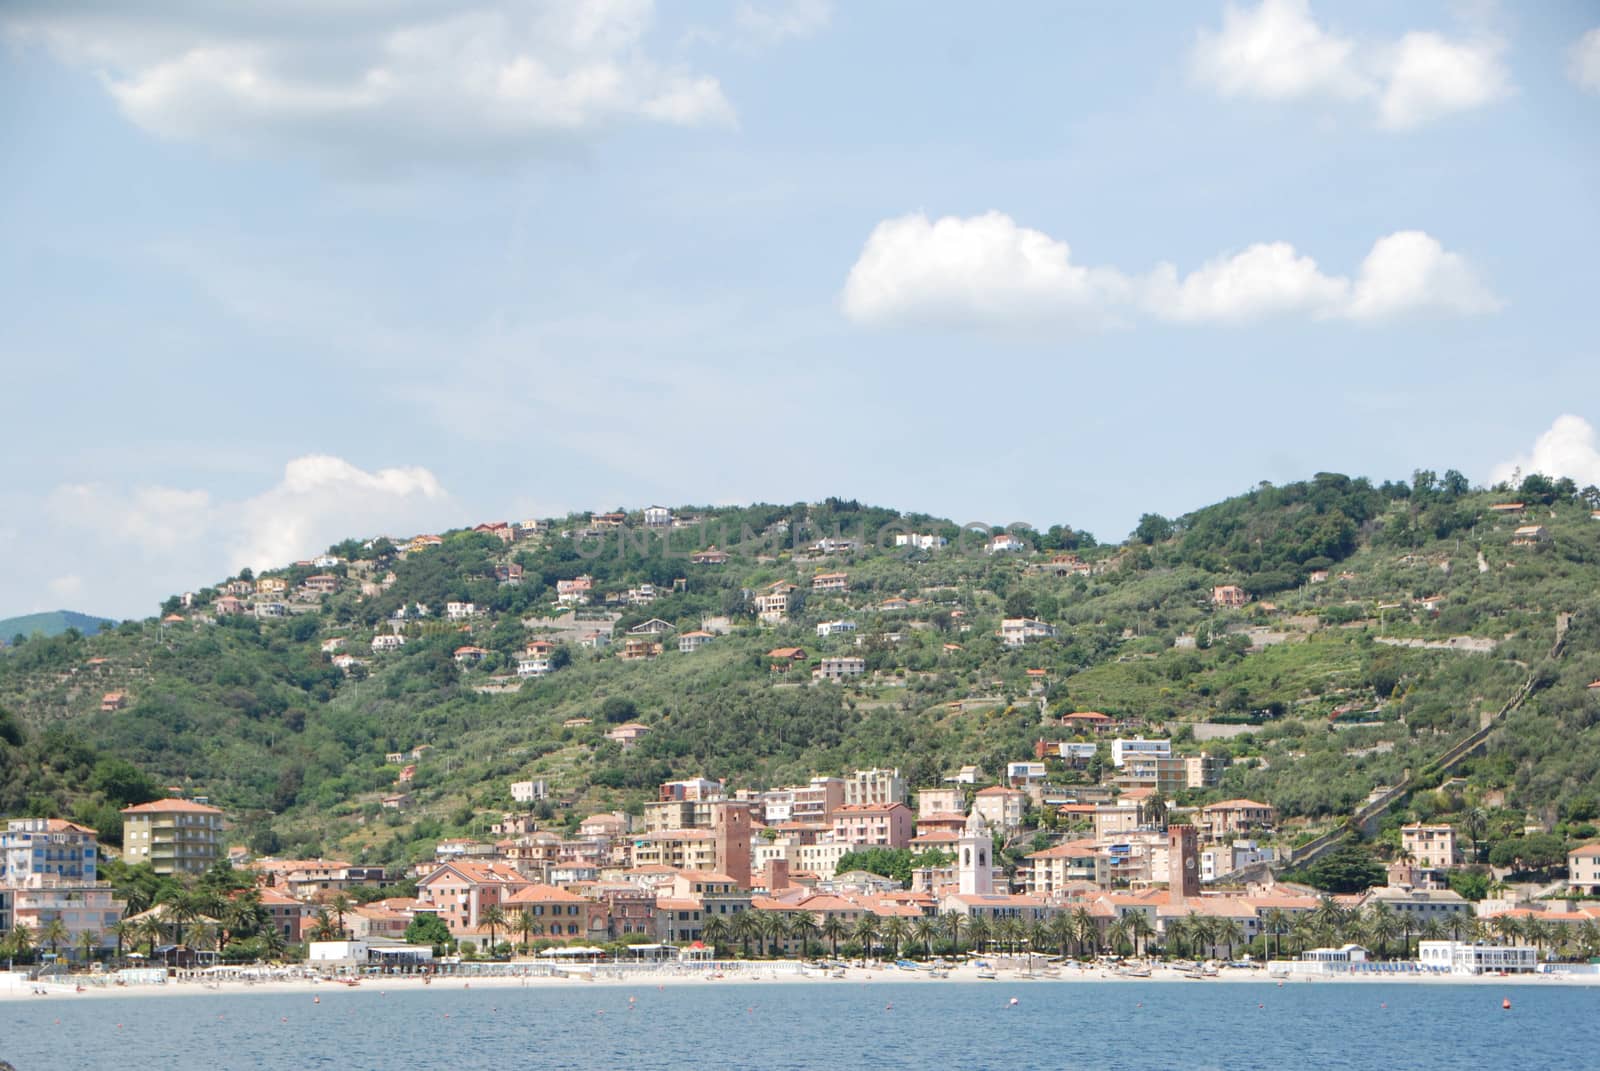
51 623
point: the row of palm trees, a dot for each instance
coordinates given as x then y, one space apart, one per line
1068 933
1379 927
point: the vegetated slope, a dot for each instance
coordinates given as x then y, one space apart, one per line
1377 637
51 623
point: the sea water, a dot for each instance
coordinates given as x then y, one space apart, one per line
783 1027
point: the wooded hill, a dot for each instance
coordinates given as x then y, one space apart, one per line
1385 622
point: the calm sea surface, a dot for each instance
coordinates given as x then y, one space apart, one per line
774 1027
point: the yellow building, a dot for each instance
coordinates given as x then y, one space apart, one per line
174 836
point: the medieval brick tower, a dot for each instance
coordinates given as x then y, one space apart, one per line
1183 863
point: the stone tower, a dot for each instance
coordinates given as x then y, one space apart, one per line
1183 863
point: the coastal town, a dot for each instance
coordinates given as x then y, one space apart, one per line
710 873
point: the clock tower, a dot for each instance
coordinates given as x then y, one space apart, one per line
1183 863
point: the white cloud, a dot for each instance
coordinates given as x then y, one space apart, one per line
1570 447
1585 64
356 80
987 271
1410 272
1265 279
191 537
981 270
772 21
1278 51
1430 77
67 587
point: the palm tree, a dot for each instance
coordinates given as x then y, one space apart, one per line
1009 933
1063 931
1328 917
19 943
1383 926
153 931
745 926
88 941
1140 927
341 904
1589 938
123 931
1039 937
242 916
715 932
953 923
832 927
526 922
1479 928
866 933
1086 930
925 930
1199 932
1537 931
1276 921
1304 930
1176 936
802 927
979 931
55 931
323 928
182 908
1509 928
273 944
1230 933
493 917
774 929
1433 930
1117 935
895 932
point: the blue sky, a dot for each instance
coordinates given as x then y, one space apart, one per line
271 279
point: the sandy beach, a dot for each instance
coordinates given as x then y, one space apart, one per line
743 973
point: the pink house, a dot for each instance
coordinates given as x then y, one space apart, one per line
878 825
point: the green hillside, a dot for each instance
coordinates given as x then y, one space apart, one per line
52 623
1385 623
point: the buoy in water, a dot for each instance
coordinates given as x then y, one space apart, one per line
1506 1004
316 1000
1014 1002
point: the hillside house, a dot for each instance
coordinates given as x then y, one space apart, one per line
653 627
469 655
272 585
1017 631
509 574
533 666
690 642
775 604
321 584
461 611
838 669
1230 818
1229 596
639 648
657 517
271 610
829 628
1530 535
388 642
783 658
838 582
1004 543
112 702
423 542
627 734
918 541
709 556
